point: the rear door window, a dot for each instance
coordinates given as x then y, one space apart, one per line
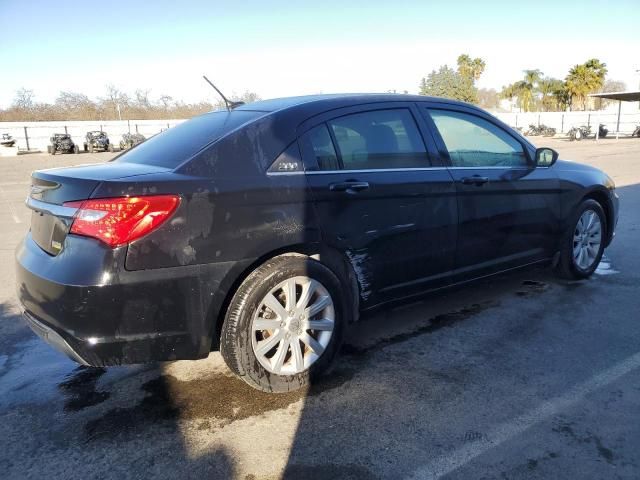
173 146
380 139
319 142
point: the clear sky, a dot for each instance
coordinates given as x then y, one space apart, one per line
281 48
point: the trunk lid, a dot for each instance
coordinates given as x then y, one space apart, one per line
50 189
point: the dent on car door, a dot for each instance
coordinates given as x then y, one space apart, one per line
507 207
379 200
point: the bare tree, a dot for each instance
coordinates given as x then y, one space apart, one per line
78 106
116 100
142 98
610 86
165 100
23 99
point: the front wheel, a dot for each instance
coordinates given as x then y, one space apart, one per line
285 324
583 244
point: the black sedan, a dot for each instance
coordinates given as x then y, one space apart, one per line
263 231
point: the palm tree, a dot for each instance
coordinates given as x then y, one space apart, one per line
599 69
561 96
508 93
586 78
527 87
470 68
547 87
532 76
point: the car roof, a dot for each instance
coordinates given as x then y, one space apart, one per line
336 100
277 124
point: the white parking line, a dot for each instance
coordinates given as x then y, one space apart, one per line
446 464
12 209
605 268
13 184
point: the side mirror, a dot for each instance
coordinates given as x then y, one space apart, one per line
545 157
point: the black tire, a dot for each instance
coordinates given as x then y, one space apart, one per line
90 148
236 337
567 267
76 149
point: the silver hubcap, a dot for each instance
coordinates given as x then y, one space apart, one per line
586 239
292 326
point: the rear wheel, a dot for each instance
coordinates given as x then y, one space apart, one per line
76 149
583 245
284 324
110 147
50 150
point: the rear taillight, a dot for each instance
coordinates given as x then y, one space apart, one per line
117 221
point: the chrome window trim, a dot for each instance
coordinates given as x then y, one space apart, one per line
50 208
369 170
519 167
277 174
374 170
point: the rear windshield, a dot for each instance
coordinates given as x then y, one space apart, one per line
175 145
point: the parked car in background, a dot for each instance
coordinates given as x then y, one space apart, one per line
265 230
130 140
97 140
62 143
7 140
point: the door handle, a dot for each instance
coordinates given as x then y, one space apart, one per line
476 180
350 186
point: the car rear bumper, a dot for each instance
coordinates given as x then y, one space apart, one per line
53 338
87 305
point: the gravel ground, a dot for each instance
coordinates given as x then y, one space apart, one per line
521 376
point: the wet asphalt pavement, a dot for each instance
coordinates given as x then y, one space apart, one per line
521 376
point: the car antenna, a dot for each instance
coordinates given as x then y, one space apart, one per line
229 103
